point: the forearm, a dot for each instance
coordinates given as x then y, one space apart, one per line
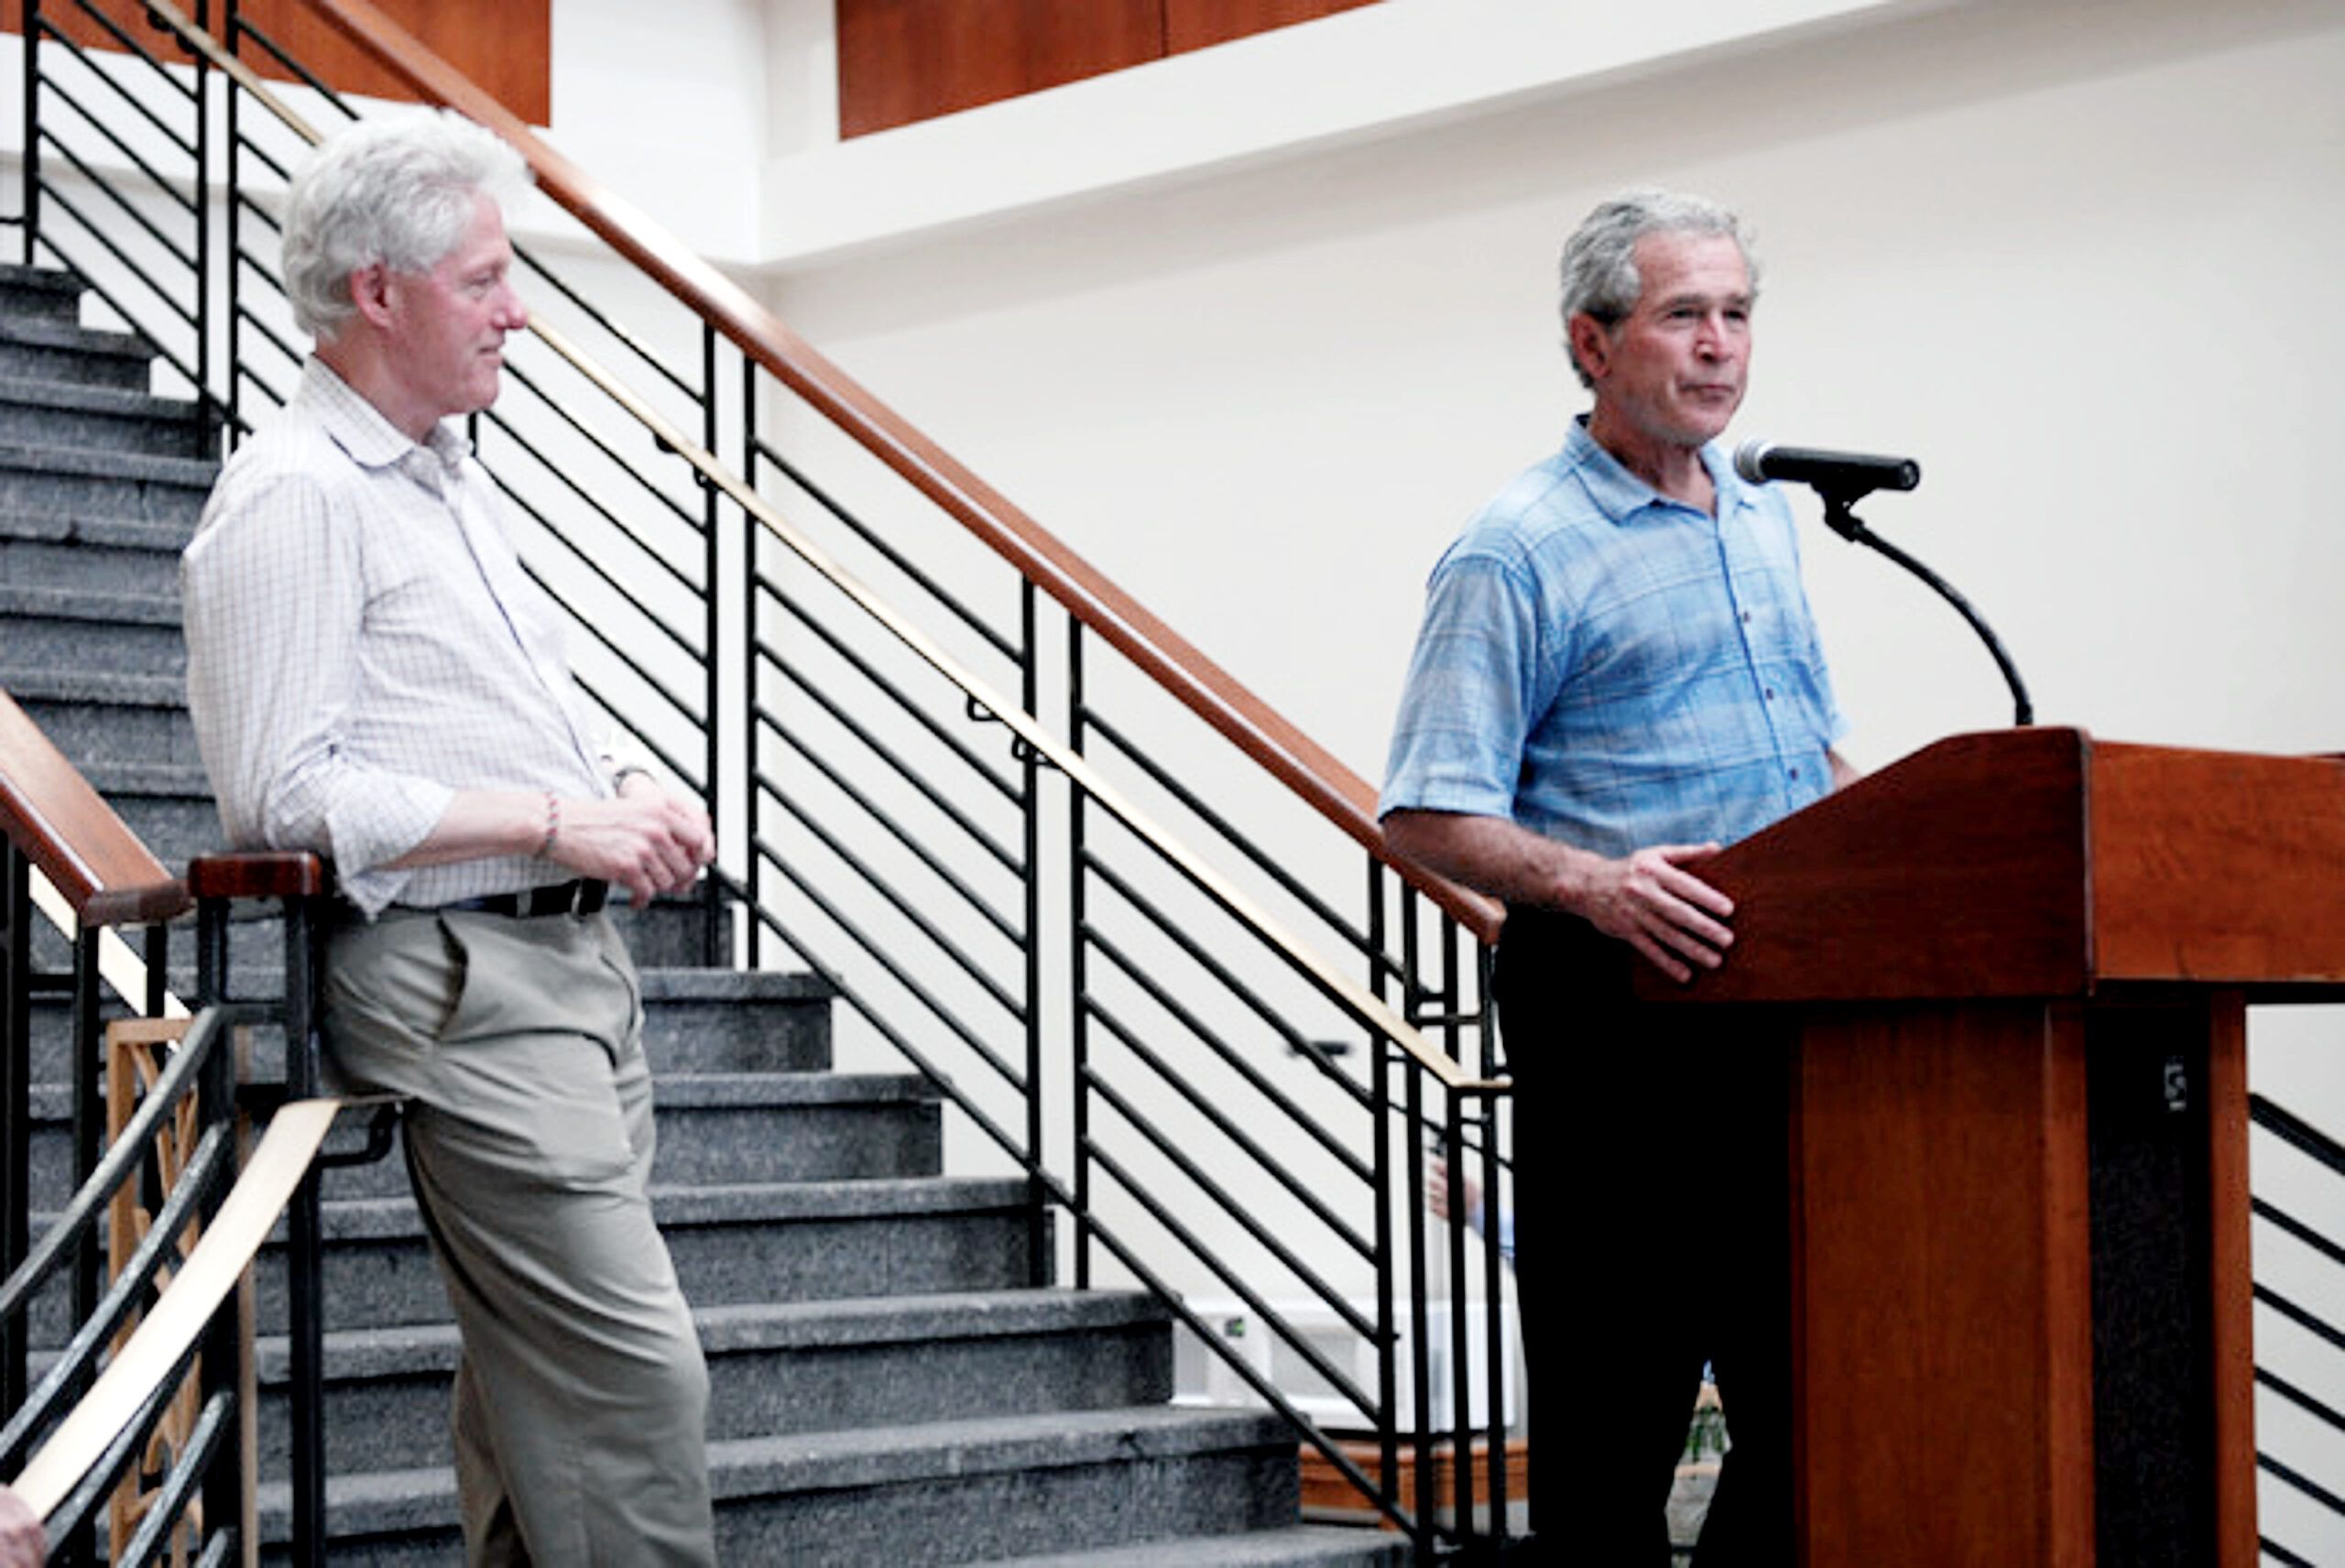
645 840
1651 900
1493 856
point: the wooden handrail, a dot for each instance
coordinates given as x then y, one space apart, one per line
1212 693
230 1243
61 826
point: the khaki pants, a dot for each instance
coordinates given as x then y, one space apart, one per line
581 1401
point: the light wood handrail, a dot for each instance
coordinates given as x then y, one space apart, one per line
1217 697
64 828
229 1244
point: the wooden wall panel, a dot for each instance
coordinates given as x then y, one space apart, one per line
505 47
1200 23
901 61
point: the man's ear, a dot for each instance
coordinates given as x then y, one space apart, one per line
370 292
1591 344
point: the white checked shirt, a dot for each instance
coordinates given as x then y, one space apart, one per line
362 643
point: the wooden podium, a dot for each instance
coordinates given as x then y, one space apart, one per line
2019 964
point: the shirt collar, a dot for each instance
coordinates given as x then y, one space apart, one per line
359 428
1620 494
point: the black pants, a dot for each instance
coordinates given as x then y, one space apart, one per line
1653 1233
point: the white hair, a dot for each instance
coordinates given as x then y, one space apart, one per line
399 190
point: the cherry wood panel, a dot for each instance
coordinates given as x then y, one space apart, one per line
1944 1300
1200 23
2216 867
2041 863
901 61
1957 871
505 47
59 824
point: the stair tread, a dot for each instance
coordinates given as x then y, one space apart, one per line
51 332
875 1456
90 604
81 397
60 528
423 1348
1296 1545
98 464
712 1202
94 686
702 1090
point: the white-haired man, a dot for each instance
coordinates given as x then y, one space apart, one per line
374 678
1617 674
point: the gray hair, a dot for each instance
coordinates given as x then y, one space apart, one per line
1599 260
398 190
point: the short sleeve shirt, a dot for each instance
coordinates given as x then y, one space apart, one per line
1613 669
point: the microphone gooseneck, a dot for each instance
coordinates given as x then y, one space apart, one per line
1842 479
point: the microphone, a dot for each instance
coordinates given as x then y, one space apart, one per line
1842 475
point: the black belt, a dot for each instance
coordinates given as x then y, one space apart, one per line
584 896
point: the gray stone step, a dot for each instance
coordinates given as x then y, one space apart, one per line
1297 1546
917 1497
751 1127
46 413
81 628
47 347
778 1369
784 1242
95 718
959 1492
38 293
74 483
59 550
717 1021
170 810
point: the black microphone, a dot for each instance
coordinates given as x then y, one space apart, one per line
1843 474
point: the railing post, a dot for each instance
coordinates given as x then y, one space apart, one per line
1078 981
15 1111
227 1347
1039 1262
304 1270
232 202
31 177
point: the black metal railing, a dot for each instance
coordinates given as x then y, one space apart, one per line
1148 974
2303 1459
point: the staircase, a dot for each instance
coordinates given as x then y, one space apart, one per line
888 1387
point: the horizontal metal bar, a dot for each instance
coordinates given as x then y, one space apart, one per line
1222 974
2299 1316
1009 789
1230 1056
2302 1483
895 971
913 572
1229 1127
2296 1131
2264 1210
1336 1377
907 908
932 863
2307 1402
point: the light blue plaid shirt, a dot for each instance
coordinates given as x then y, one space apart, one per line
1615 669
